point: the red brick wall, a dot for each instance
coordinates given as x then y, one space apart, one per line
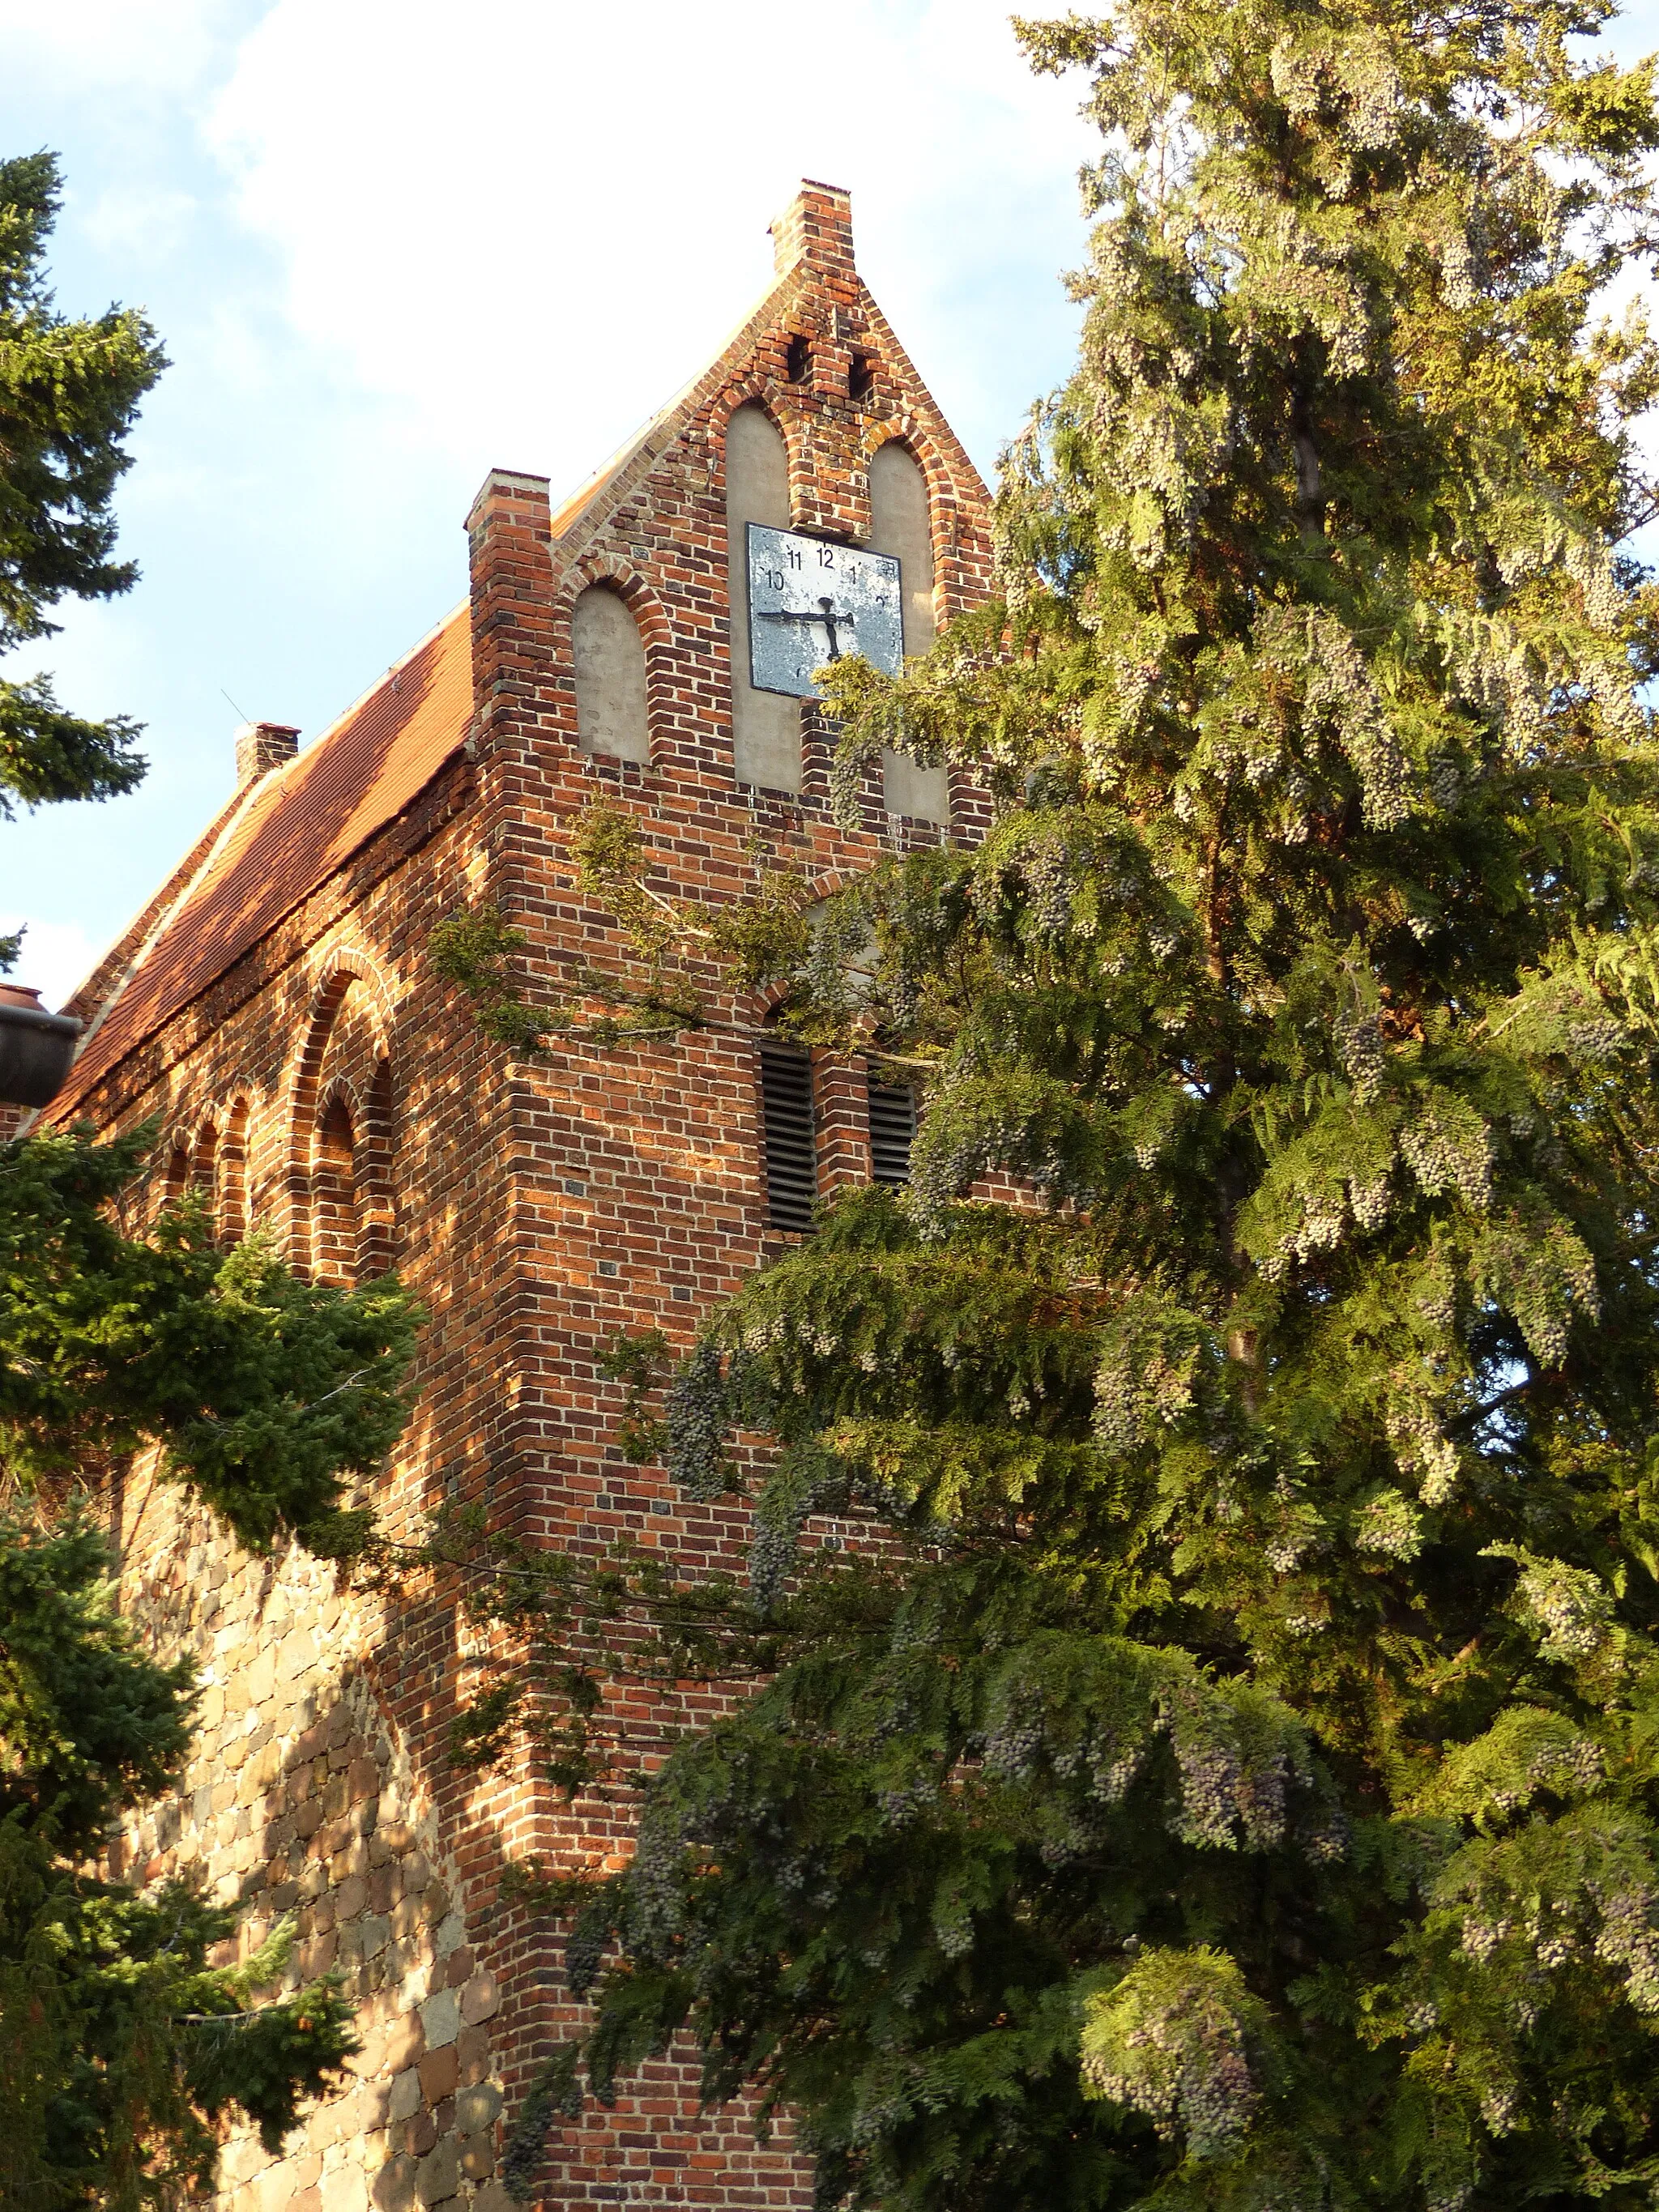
536 1209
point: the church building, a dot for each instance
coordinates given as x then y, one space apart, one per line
275 1006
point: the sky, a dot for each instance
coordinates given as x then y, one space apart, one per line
391 244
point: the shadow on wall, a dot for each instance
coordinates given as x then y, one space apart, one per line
301 1802
341 1854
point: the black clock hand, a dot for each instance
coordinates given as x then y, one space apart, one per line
829 617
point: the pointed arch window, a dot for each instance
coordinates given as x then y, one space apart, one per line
765 725
204 1164
377 1220
176 1180
900 523
339 1148
233 1174
334 1189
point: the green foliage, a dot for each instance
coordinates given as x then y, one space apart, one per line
266 1394
1230 1779
1174 2039
69 395
87 1722
543 1683
641 1363
120 2045
473 949
677 945
470 949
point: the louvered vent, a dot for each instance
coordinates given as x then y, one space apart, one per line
892 1130
792 1171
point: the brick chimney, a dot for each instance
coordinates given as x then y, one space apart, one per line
817 227
262 746
512 611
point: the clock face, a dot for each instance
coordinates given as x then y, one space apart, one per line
810 603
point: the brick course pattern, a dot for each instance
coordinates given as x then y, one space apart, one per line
274 1006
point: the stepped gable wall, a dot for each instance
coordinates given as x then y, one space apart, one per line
276 1011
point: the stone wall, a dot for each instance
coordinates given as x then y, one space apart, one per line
303 1805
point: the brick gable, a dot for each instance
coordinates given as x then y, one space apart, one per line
276 1010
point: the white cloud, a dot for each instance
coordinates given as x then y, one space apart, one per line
140 226
56 955
389 242
535 220
147 45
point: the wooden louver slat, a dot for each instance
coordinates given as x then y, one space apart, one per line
791 1148
892 1130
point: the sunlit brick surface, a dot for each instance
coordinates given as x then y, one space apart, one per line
289 1034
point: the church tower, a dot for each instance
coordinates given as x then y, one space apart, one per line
652 639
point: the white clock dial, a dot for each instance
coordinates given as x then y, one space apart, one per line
810 603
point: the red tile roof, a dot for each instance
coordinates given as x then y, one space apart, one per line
297 826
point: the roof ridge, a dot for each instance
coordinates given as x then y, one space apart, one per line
163 908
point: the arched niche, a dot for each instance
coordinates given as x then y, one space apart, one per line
765 725
900 523
609 654
333 1169
334 1223
376 1188
175 1182
232 1173
203 1164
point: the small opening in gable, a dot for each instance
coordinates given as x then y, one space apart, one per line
800 359
861 377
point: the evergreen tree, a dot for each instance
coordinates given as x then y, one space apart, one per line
262 1395
120 2047
1234 1779
68 394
